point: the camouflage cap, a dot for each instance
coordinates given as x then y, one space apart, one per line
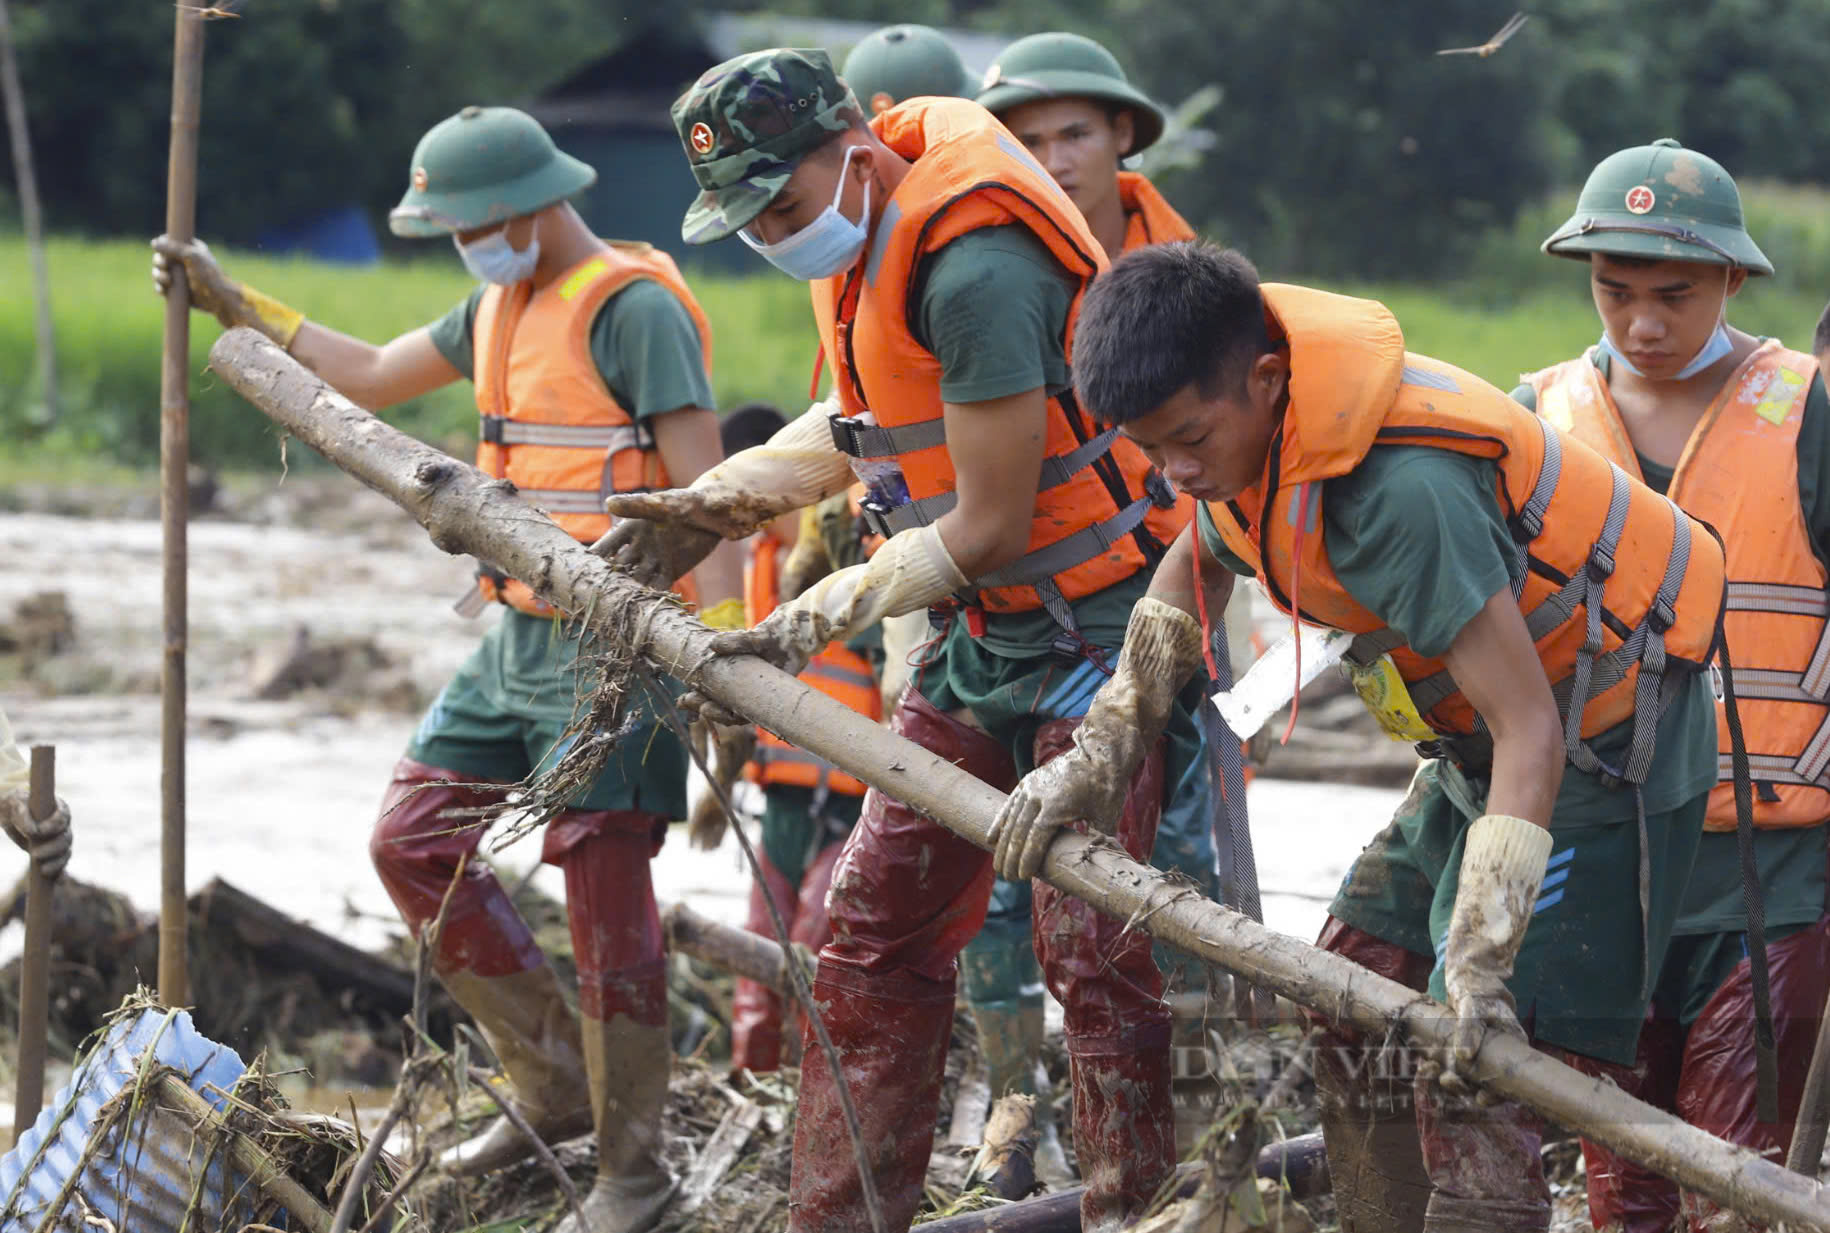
747 123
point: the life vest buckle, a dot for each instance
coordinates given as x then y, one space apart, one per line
1157 487
1662 616
845 431
491 429
875 515
1527 525
1600 563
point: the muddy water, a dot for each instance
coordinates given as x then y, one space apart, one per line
281 795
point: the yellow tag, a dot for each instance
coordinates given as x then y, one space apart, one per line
584 276
1780 396
1381 688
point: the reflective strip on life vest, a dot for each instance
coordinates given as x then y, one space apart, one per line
563 500
1064 554
1773 597
500 430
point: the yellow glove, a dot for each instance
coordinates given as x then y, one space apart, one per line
725 614
232 303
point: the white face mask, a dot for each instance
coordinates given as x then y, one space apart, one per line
494 260
827 245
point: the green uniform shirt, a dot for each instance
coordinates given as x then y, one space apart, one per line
992 308
1415 534
1790 860
645 343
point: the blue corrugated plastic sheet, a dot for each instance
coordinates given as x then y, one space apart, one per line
143 1175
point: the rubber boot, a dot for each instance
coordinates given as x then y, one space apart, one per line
756 1010
622 992
527 1022
1116 1026
1011 1053
1484 1164
1366 1100
811 929
486 957
629 1064
892 1031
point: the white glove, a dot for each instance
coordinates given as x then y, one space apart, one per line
1502 867
912 570
796 467
45 840
1088 783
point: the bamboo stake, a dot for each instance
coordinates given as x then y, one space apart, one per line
467 513
1806 1153
35 963
30 213
174 499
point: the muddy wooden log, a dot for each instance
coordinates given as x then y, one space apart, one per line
737 951
466 512
1299 1163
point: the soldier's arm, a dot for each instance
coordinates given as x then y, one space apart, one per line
997 448
375 377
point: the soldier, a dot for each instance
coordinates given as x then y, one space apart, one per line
946 269
898 63
809 806
590 365
1735 429
1474 551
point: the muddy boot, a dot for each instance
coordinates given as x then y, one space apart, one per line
1367 1103
528 1024
1051 1161
891 1032
628 1065
1011 1051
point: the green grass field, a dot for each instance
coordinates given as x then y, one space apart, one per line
1519 311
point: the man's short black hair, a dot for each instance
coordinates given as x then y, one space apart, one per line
1820 341
1162 318
751 424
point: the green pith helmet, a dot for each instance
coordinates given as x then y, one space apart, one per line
484 165
904 62
1061 65
1664 203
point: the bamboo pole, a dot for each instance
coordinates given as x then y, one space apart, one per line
738 951
465 512
174 499
1806 1153
35 963
30 214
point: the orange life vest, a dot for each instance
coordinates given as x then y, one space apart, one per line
1739 473
1102 513
1621 590
549 424
1148 218
837 672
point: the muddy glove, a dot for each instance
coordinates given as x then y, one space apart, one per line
1502 866
672 530
1089 782
214 292
913 570
807 561
45 840
730 749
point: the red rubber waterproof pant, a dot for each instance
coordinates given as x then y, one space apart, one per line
906 896
1456 1166
757 1036
1706 1077
425 830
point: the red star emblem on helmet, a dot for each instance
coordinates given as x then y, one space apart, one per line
420 179
1640 199
701 137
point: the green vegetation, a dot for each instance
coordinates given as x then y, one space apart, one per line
1522 311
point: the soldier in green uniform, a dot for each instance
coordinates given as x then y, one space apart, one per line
1736 429
590 363
904 62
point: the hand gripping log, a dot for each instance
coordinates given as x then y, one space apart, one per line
466 512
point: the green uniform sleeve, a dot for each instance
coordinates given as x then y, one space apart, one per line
453 332
1416 536
1814 469
1216 547
648 349
1526 397
992 307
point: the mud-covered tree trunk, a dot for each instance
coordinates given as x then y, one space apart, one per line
467 512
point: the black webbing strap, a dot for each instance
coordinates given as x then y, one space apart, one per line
1766 1058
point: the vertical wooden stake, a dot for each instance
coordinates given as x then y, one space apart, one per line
174 498
30 214
35 964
